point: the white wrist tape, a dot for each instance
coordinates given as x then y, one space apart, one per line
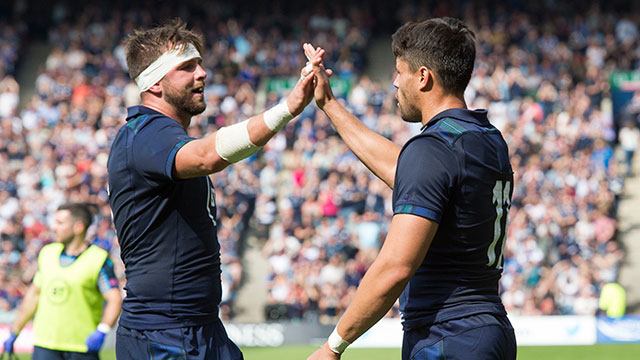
308 69
277 117
336 343
104 328
233 143
163 64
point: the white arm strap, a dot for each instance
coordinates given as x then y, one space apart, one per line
336 343
277 117
233 143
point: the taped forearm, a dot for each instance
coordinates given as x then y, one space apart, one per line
277 117
233 143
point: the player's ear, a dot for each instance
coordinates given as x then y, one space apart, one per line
78 227
156 89
425 78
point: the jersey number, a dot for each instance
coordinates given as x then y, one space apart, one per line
502 202
211 200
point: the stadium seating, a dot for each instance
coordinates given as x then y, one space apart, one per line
320 214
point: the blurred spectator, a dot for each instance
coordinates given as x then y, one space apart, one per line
613 300
321 214
629 138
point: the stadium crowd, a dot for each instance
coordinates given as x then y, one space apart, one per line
322 215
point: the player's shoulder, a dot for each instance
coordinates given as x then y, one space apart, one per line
145 124
49 250
451 129
98 250
425 151
141 118
54 246
432 138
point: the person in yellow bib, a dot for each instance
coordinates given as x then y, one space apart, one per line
613 300
74 298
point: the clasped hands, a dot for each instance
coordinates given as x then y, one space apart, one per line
320 84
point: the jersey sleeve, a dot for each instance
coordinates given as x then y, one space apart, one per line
425 176
155 147
107 279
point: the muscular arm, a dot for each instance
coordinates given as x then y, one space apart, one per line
403 251
199 157
112 307
375 151
27 309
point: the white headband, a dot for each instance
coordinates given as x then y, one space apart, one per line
167 61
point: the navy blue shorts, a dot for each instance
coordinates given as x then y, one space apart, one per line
40 353
204 342
482 336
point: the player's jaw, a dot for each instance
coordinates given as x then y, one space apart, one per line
408 111
63 234
190 100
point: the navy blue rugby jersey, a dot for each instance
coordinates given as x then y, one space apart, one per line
456 173
166 227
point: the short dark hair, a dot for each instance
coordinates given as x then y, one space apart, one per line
444 45
79 212
144 46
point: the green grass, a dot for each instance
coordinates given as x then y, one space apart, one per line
594 352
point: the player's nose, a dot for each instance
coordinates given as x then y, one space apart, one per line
201 74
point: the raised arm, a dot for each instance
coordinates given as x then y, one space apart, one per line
230 144
375 151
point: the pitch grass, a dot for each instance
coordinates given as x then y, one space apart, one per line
594 352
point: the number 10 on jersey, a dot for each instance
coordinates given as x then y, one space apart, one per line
502 202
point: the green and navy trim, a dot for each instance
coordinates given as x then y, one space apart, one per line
418 210
136 123
450 128
168 169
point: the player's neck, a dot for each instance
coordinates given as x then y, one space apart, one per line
76 247
161 106
432 106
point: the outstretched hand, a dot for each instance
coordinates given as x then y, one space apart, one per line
322 92
302 93
324 353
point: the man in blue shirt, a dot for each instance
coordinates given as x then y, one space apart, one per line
163 202
452 187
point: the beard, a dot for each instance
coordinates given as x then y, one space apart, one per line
408 111
184 100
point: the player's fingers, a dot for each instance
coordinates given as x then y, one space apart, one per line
317 64
305 79
308 49
319 52
329 72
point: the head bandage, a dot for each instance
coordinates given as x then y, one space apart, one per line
167 61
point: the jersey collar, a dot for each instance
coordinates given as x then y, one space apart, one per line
473 116
137 110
